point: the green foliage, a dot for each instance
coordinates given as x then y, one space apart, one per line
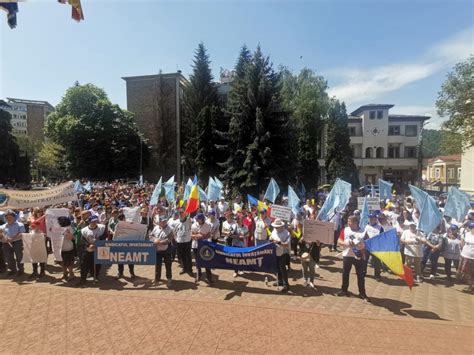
257 140
456 101
100 139
304 97
441 142
339 161
51 160
201 114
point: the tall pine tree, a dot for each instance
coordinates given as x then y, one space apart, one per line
201 113
339 161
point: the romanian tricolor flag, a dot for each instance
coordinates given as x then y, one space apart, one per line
193 200
386 247
77 13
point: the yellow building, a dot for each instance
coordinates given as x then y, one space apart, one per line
443 171
467 165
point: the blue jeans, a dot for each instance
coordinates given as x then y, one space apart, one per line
432 256
15 251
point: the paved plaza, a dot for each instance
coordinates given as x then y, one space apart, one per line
237 315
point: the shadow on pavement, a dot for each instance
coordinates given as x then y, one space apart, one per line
402 308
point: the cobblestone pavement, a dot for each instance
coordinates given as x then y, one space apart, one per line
236 315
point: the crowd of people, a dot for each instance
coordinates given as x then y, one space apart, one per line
176 233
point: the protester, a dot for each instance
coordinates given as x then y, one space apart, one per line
67 249
239 237
432 250
215 226
201 230
413 250
183 240
90 235
262 226
373 229
281 238
38 225
309 255
466 268
12 243
120 266
452 250
351 239
162 235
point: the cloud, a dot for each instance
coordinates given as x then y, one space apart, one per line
368 84
434 122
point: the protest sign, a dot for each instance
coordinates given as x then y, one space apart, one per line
132 252
373 202
318 230
54 230
132 214
216 256
130 231
281 212
34 248
27 199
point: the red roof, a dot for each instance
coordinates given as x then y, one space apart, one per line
452 157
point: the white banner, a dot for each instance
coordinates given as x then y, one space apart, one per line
34 248
282 212
54 230
28 199
318 230
132 214
130 231
373 202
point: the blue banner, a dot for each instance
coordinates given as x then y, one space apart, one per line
216 256
124 252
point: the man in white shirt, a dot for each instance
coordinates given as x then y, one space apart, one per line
161 236
281 237
90 234
183 243
373 229
215 225
413 243
222 209
351 239
201 230
261 226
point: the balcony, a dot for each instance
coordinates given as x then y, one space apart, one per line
388 162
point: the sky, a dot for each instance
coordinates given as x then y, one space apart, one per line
372 51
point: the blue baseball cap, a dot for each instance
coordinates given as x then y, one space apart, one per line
453 227
372 215
471 224
93 218
200 216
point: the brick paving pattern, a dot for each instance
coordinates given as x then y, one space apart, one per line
240 315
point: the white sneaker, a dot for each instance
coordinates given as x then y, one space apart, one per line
305 284
419 280
311 285
317 266
432 277
240 273
235 274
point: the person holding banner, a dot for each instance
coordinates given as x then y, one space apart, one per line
239 237
351 239
90 235
121 267
201 230
12 243
281 238
162 235
37 223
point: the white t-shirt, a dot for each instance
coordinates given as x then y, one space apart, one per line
204 228
215 234
261 228
241 231
183 230
468 248
373 231
222 208
356 236
413 246
284 237
91 235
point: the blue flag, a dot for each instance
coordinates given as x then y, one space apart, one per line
457 204
88 186
187 189
385 189
78 186
156 193
202 194
12 9
219 183
293 200
195 179
213 190
430 216
252 200
364 214
302 191
273 190
169 189
337 199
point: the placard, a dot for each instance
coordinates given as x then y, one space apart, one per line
132 214
373 202
114 252
282 212
130 231
318 230
34 248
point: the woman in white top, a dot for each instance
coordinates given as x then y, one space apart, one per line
467 256
67 248
413 249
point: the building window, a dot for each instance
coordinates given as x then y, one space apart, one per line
379 152
372 115
411 131
394 152
393 130
368 153
410 152
379 115
451 173
437 173
459 173
352 131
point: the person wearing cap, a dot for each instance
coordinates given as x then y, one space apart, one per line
262 225
172 222
201 230
373 229
351 239
451 250
89 235
229 228
281 238
432 250
413 249
466 268
12 243
162 235
183 243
